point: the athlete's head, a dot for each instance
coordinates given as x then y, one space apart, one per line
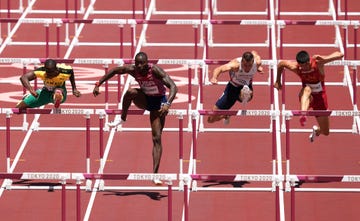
303 60
50 68
247 61
141 62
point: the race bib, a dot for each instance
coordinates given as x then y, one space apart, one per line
152 90
315 88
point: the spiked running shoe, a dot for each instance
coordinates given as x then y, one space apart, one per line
313 134
57 98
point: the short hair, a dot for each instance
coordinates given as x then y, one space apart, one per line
50 64
141 55
302 57
248 56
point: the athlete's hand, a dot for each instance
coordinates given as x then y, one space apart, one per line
213 80
164 110
76 93
260 69
96 91
33 93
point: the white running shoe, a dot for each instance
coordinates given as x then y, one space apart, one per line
246 94
157 182
115 123
313 134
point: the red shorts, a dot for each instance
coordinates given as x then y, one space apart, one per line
319 101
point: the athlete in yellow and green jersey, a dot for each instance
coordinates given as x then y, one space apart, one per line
54 91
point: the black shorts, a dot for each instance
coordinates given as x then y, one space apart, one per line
154 102
230 96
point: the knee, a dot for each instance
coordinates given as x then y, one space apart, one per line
156 138
130 92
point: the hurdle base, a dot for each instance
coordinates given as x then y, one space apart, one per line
25 126
194 186
88 185
101 185
8 184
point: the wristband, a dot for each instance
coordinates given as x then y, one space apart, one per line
97 84
167 103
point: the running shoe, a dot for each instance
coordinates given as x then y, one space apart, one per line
115 123
157 182
245 94
57 98
227 120
303 120
313 133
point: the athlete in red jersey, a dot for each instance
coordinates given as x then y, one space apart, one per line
313 92
150 96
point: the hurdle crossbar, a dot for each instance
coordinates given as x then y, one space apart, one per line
139 112
66 111
333 113
36 176
324 178
126 176
240 112
236 177
291 181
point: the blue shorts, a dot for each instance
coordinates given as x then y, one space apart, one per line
230 96
154 102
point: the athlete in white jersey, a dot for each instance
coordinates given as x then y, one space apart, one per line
239 88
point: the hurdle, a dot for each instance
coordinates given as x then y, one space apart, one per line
330 113
333 9
172 112
36 127
209 40
273 114
168 178
64 177
295 180
274 179
214 11
203 9
279 13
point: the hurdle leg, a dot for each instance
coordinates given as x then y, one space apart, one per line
181 149
8 115
101 140
277 201
186 204
287 150
292 202
78 200
63 200
87 141
169 200
193 122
